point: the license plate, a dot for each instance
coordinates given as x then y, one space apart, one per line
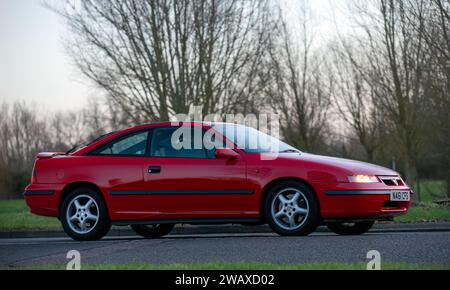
400 196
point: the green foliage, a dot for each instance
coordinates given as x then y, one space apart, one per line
431 190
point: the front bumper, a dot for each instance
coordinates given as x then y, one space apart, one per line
357 201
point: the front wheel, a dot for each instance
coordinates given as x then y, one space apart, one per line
350 229
153 231
291 209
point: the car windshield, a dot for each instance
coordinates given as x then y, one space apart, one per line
82 145
253 141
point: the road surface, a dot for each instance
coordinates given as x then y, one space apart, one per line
407 247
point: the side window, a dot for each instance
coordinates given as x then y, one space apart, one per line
162 145
134 145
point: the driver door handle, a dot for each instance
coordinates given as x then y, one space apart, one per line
154 169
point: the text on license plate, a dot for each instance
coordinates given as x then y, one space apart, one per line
400 196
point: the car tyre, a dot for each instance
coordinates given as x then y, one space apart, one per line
84 216
350 229
153 231
291 209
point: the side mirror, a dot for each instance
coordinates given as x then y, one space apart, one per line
226 153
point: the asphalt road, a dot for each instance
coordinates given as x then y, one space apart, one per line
409 247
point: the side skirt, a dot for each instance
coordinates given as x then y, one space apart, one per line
188 221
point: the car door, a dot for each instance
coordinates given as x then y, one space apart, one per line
118 168
193 183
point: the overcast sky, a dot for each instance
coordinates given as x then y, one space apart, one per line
34 66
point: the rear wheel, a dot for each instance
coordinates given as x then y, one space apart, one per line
153 231
84 216
350 229
291 209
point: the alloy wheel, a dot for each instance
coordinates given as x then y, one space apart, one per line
82 214
290 209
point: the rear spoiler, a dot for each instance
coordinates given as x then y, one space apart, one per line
49 155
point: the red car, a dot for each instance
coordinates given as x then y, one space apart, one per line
141 177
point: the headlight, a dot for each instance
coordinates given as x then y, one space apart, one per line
361 178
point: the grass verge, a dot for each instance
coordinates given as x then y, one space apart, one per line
426 213
15 216
239 266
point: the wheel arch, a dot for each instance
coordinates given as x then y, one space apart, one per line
80 184
277 181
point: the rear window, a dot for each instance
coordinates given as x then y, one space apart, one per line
130 145
82 145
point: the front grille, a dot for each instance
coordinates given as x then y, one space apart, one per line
392 181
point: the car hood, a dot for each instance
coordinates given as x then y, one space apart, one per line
350 166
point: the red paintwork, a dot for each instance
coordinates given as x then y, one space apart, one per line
227 153
247 171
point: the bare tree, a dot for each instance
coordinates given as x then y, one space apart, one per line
443 64
155 58
433 22
356 100
395 58
23 135
300 90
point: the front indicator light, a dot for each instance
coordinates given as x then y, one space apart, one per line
361 178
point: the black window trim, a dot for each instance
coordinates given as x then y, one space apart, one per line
120 138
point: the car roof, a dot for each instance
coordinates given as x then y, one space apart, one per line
118 133
177 123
